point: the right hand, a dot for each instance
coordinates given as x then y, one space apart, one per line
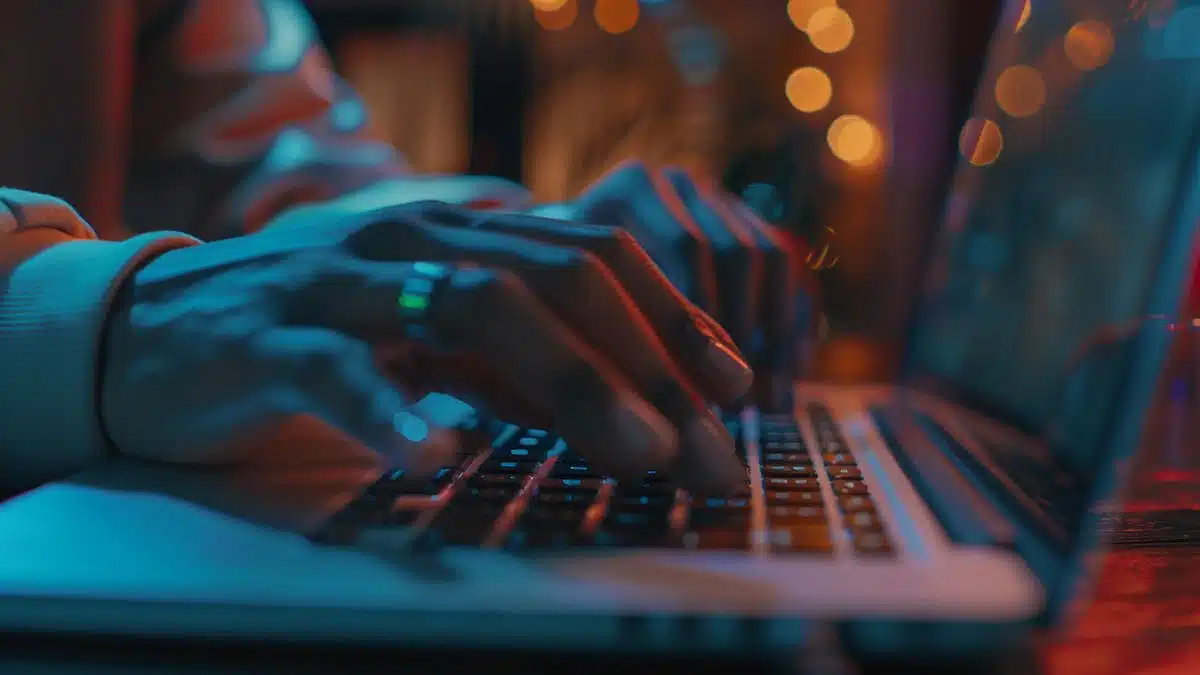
211 343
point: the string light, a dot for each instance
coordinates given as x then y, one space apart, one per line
616 16
981 141
556 19
1020 91
800 11
830 29
855 141
1026 10
1088 44
809 89
548 5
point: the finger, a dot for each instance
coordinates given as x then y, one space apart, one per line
493 314
735 254
582 292
643 202
704 351
335 378
491 317
776 358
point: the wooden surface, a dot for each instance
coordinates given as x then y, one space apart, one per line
1144 615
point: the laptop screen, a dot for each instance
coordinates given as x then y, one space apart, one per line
1065 223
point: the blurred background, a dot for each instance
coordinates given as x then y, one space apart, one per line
836 119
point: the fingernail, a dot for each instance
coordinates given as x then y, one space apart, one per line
424 447
645 430
728 367
720 466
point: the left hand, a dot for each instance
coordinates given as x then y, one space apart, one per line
721 256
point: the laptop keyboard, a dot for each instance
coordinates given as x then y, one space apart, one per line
529 492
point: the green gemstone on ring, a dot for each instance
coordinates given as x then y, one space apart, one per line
414 302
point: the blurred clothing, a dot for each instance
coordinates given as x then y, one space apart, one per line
207 117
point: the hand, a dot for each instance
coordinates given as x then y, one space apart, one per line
212 342
719 254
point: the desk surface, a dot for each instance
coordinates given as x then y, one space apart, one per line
1145 615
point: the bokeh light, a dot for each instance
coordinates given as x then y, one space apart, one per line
809 89
830 29
981 141
1020 91
557 19
1026 9
548 5
800 11
1089 44
616 16
855 141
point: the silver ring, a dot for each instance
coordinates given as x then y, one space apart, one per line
417 297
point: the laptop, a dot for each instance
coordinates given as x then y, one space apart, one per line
954 509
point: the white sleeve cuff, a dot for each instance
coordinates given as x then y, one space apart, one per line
52 319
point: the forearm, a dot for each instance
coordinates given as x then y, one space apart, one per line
56 283
238 116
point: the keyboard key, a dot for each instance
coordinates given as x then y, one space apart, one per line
849 487
573 470
790 470
855 503
526 445
720 519
640 529
481 480
497 466
564 496
863 521
872 544
643 502
801 539
555 516
787 515
738 502
804 484
838 459
787 497
637 520
489 495
397 483
644 489
787 458
545 539
717 540
844 472
578 483
549 524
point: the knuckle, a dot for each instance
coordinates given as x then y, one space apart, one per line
632 170
622 244
615 246
583 267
